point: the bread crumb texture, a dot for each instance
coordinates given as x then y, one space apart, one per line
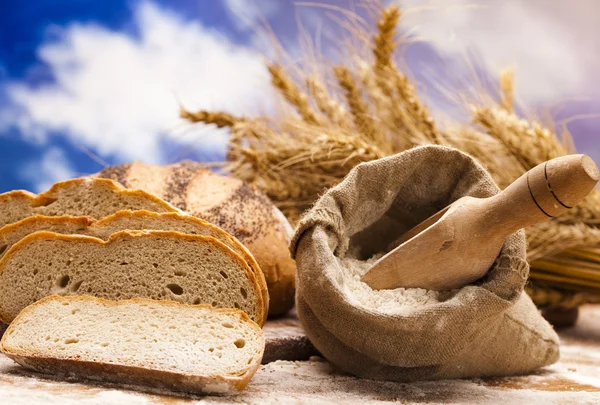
219 348
161 265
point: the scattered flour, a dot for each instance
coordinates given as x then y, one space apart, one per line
386 301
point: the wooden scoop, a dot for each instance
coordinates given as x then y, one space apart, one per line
459 244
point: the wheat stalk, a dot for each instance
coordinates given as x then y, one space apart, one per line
296 156
546 296
507 93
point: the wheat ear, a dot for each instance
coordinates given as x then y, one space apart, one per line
292 94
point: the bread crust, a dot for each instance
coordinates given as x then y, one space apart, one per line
36 219
125 234
48 196
19 194
92 226
125 374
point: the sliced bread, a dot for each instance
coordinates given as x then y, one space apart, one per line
234 205
141 219
130 220
78 197
189 348
190 269
65 224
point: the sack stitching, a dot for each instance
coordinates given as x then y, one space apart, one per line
510 317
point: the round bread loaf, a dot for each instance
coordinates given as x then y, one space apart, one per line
235 206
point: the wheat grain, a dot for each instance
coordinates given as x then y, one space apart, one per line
529 142
295 156
220 119
383 42
418 112
291 93
359 110
332 109
551 238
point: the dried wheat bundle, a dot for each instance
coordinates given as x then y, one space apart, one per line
367 109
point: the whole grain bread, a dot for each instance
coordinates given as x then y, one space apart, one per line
190 269
194 349
131 220
78 197
235 206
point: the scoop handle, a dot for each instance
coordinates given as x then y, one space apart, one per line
548 190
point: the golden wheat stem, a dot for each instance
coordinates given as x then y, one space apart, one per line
507 90
565 281
569 267
551 297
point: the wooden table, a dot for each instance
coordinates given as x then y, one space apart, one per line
574 380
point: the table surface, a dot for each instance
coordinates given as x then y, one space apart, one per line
575 379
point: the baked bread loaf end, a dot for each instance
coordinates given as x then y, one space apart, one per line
164 345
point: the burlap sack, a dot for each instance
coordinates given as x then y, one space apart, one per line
488 328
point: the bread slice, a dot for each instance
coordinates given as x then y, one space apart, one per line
78 197
65 224
234 205
189 348
168 265
131 220
141 219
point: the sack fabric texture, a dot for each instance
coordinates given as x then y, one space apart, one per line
487 328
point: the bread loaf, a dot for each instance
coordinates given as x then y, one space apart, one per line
79 197
237 207
168 265
131 220
194 349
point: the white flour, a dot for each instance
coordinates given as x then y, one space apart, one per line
387 301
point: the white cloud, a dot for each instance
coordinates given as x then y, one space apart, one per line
245 14
117 93
53 166
548 42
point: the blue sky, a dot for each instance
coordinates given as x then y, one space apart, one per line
35 41
84 83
